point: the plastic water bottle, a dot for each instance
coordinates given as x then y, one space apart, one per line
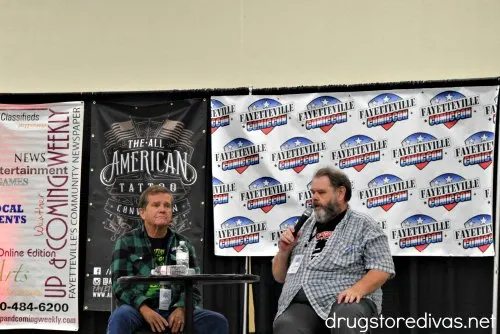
182 254
160 270
169 270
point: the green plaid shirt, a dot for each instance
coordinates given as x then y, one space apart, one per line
133 256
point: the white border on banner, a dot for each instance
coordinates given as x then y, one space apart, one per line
497 232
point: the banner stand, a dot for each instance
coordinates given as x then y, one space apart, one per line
247 271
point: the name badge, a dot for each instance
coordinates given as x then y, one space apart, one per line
165 299
294 267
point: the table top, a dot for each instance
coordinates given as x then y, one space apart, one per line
197 279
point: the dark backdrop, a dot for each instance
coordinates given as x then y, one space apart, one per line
439 286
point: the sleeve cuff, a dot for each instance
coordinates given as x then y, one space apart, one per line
388 270
139 301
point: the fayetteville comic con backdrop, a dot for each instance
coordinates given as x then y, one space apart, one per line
132 147
40 168
420 162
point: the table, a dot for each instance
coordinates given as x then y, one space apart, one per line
189 281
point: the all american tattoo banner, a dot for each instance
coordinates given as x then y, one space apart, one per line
133 147
420 162
40 169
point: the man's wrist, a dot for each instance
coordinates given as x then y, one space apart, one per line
284 255
144 308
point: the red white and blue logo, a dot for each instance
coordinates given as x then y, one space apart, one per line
324 112
419 149
239 154
222 191
386 190
358 151
290 222
448 108
491 110
478 232
296 153
478 150
239 231
385 110
305 197
420 231
220 114
265 114
265 193
447 190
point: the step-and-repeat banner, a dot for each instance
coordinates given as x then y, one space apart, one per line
40 168
420 163
132 147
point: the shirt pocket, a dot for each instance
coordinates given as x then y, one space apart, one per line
348 254
140 265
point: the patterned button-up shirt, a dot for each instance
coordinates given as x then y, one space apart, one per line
357 245
133 256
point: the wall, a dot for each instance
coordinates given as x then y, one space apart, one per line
88 46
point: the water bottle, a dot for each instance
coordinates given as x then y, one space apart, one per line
169 270
182 254
160 270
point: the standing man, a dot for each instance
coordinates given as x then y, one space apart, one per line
137 252
334 268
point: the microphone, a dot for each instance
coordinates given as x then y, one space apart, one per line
305 216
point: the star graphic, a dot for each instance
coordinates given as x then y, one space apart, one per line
297 142
420 138
266 104
420 221
408 142
387 99
229 147
483 221
238 222
325 102
374 183
471 141
436 183
240 144
266 183
484 138
374 103
448 97
358 141
436 100
386 180
449 179
254 186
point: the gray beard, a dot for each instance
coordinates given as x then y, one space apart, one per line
324 214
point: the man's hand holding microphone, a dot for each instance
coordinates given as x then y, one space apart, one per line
286 244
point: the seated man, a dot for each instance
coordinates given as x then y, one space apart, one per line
334 267
137 253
